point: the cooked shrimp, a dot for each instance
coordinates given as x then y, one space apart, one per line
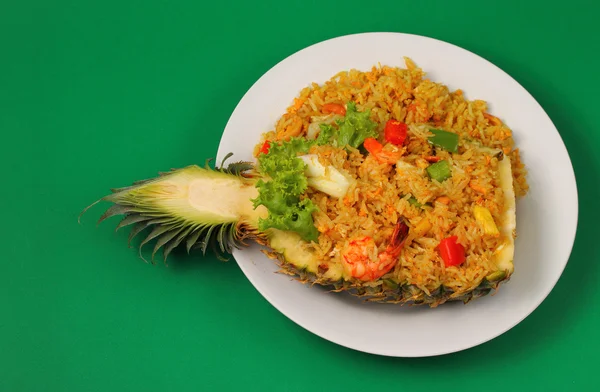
360 257
384 154
289 126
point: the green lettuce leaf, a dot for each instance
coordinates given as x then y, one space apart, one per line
296 218
325 135
355 127
277 199
282 156
282 187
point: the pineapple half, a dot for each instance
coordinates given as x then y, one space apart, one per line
204 207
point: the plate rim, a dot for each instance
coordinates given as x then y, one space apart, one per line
542 111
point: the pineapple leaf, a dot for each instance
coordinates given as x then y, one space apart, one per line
206 239
114 210
229 155
239 168
131 219
156 231
193 238
164 238
137 229
221 236
175 243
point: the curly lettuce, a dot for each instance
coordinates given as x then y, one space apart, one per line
352 130
280 194
297 217
355 127
325 135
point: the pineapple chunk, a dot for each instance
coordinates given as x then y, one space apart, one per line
422 228
505 253
485 220
325 179
291 246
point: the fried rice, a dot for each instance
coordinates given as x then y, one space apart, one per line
382 194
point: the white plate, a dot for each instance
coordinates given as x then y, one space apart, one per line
546 217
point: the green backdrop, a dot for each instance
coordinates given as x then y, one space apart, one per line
96 94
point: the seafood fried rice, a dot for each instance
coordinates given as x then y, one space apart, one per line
438 168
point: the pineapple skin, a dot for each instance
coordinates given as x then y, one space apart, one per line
389 292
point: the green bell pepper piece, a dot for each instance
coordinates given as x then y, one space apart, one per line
439 171
414 202
444 139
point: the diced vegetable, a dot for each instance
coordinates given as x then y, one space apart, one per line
414 202
265 147
476 187
325 179
444 139
439 171
451 251
485 220
422 228
443 199
334 108
395 132
432 159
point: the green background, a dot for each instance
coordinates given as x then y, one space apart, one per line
94 95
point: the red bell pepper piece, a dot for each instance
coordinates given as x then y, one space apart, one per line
451 251
395 132
265 147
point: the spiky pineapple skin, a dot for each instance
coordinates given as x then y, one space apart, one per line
384 293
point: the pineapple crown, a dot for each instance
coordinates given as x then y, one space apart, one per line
139 205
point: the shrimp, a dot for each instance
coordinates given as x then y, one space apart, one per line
388 154
289 126
356 258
